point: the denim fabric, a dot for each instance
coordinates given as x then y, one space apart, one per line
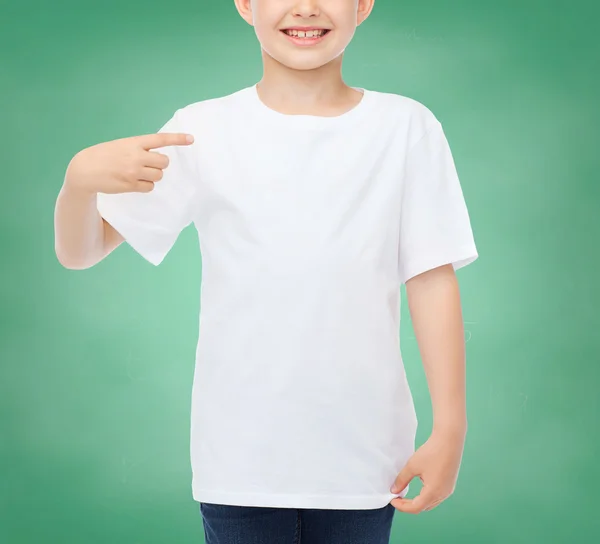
225 524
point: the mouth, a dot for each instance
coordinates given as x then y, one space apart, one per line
305 37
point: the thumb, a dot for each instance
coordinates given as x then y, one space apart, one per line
403 479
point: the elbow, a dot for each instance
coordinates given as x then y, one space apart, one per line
71 263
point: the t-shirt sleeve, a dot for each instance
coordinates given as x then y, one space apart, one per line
151 222
435 228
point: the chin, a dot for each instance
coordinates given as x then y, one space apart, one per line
303 66
301 61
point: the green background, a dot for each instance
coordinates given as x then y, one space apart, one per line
96 365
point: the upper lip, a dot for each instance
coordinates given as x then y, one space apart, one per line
305 28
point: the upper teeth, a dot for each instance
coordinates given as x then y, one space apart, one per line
303 34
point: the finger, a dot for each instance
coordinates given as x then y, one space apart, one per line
154 159
403 479
150 174
409 506
416 504
138 186
163 139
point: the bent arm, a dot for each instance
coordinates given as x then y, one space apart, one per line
82 238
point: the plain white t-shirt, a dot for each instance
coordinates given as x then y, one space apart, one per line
307 227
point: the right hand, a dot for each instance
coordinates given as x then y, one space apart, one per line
126 165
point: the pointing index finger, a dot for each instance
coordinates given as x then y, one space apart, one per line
163 139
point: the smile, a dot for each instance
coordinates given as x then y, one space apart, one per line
305 38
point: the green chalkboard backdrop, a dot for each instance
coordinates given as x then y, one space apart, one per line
96 366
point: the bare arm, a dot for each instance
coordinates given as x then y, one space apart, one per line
82 238
434 303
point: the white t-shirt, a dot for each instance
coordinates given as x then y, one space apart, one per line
307 226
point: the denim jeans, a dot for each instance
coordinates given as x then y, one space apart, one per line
225 524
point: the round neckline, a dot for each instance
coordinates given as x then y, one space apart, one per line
305 120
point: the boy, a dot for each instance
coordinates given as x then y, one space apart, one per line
313 201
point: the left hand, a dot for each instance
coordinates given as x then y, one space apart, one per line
436 463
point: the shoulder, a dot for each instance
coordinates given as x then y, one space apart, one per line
411 115
211 109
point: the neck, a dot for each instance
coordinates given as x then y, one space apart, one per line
319 91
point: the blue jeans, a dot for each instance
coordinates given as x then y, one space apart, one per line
225 524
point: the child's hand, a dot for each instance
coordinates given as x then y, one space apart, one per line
436 463
122 166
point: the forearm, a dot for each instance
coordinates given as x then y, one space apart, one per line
78 227
435 308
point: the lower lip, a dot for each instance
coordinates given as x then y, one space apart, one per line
306 41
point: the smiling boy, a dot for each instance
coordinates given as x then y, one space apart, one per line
314 202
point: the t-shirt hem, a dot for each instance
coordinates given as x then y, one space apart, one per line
459 259
134 240
329 502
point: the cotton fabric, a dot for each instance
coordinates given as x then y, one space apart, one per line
307 227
